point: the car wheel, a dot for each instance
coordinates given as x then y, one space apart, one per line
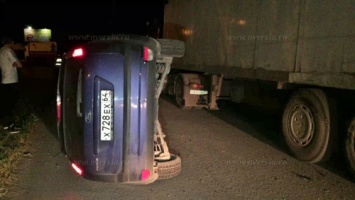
169 168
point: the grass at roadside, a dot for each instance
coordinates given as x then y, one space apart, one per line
11 144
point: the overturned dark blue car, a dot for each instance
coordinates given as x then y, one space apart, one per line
107 109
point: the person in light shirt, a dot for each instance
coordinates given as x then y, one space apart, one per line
9 84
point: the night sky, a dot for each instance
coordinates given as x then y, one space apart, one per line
64 19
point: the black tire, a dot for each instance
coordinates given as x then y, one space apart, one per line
173 48
179 92
169 168
309 125
350 147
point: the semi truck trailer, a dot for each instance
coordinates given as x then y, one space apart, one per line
297 55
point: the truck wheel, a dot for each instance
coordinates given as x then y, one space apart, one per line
308 125
350 147
169 168
179 92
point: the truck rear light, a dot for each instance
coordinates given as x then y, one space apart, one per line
59 109
195 86
145 174
78 52
77 169
147 54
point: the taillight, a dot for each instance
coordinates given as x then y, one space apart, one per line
59 109
145 174
195 86
77 169
78 52
147 54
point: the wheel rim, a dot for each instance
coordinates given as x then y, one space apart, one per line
301 125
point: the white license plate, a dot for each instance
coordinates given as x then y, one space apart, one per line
106 115
198 92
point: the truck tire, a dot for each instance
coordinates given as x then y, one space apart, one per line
350 147
172 48
308 124
169 168
179 91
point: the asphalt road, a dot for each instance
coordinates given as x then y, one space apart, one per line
234 153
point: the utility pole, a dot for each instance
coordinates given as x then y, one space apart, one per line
2 10
113 8
113 16
2 17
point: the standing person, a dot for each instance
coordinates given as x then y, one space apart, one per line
9 84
